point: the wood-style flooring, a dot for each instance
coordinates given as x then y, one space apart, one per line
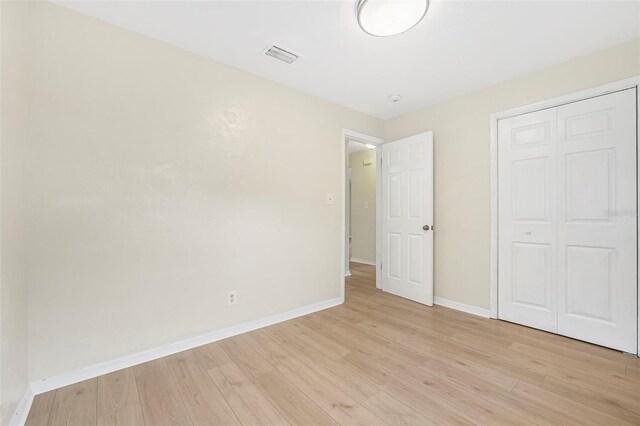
377 359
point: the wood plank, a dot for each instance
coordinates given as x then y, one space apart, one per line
337 372
466 401
632 372
610 399
502 402
367 367
337 403
502 374
342 374
250 406
212 355
563 410
75 404
296 407
118 402
590 368
394 412
41 409
434 409
304 338
151 367
161 402
203 400
245 357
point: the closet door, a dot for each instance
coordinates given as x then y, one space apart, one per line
527 220
597 248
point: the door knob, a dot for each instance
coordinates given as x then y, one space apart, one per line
426 227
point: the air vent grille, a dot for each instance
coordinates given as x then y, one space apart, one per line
281 54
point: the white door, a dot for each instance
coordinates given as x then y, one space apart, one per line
567 220
527 220
407 218
597 299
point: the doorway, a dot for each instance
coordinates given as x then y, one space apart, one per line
367 150
403 212
361 203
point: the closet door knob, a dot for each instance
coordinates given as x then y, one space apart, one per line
426 227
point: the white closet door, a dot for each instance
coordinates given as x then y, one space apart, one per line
527 220
597 257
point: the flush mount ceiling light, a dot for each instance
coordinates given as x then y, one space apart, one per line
383 18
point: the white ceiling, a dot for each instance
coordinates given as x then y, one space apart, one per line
460 46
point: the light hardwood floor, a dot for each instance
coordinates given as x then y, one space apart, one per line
377 359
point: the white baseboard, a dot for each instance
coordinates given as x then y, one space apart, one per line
347 274
474 310
363 261
90 372
19 417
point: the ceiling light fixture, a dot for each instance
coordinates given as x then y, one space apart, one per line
383 18
370 146
394 98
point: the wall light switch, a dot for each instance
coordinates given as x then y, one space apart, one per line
329 198
366 204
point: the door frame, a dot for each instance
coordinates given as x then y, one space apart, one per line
351 135
629 83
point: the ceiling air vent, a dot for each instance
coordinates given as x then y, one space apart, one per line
281 54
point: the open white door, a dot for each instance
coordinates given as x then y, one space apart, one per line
407 218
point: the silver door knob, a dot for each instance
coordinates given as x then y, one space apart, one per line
425 228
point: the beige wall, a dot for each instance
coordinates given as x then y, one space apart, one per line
363 220
13 286
157 181
461 143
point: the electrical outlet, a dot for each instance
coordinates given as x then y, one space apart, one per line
231 297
